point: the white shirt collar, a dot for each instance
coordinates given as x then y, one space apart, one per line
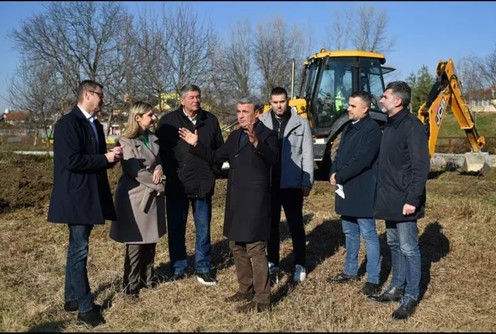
90 117
192 119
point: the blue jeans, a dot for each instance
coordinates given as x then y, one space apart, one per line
402 238
77 286
177 215
353 228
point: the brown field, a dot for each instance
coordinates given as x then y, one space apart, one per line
457 240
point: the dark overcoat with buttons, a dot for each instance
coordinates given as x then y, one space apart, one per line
248 202
81 193
356 168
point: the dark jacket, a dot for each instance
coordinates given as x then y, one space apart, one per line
403 168
247 211
186 174
81 192
356 167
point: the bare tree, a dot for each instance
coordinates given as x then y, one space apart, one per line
79 39
362 29
488 69
154 68
123 79
37 89
232 74
174 48
469 70
189 44
478 76
275 46
340 31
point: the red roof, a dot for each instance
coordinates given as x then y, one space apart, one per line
16 116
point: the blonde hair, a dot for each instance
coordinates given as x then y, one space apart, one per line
133 128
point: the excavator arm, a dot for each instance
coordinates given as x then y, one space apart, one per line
446 94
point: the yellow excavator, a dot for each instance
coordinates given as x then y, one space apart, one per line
330 77
446 94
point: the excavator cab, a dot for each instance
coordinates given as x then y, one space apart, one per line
328 80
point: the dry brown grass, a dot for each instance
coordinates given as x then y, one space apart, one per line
457 238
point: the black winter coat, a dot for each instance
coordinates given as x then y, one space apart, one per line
186 174
404 166
356 167
81 193
248 201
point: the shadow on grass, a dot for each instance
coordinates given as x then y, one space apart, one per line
434 245
221 259
50 327
322 242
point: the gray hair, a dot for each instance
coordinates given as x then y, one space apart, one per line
189 88
251 100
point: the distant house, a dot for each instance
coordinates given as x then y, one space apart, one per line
482 100
15 117
14 127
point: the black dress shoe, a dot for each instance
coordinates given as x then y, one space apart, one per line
253 307
71 306
391 295
92 317
342 278
405 310
175 278
371 289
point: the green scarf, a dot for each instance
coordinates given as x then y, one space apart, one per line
144 138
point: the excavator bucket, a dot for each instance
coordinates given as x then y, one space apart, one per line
477 162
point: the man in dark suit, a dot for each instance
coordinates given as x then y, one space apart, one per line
251 151
81 194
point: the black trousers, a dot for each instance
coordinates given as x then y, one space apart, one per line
291 200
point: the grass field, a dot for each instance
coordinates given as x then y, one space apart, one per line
457 240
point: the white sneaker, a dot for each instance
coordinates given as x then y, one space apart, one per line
300 274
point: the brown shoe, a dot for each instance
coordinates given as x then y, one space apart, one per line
253 307
238 297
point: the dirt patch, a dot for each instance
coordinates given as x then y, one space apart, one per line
26 181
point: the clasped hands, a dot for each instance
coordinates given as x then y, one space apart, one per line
115 154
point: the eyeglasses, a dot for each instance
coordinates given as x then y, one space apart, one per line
97 93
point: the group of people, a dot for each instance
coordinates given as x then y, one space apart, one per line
271 167
165 172
382 175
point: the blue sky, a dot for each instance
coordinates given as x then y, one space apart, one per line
424 32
